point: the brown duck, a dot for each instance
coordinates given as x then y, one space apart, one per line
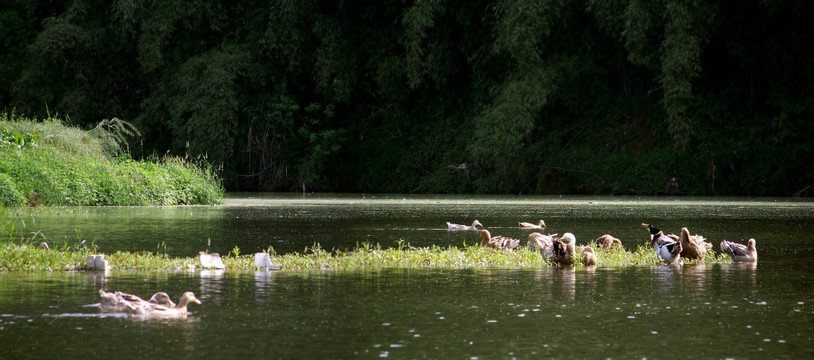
608 242
564 250
693 246
498 242
740 252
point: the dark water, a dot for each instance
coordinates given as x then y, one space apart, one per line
291 222
704 311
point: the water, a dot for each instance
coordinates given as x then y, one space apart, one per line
764 310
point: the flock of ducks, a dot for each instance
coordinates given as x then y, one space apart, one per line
160 306
562 250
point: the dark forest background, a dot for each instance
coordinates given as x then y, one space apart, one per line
430 96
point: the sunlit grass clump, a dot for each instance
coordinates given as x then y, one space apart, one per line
28 257
48 163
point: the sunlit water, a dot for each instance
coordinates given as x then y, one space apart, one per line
704 311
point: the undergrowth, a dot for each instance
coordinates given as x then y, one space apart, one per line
48 163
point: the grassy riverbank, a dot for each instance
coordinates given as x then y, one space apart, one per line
26 257
48 163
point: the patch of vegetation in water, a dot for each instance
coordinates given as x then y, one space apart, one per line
18 256
48 163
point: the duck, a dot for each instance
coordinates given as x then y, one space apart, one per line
457 227
608 242
504 243
526 225
162 298
169 312
740 252
542 243
563 250
210 261
588 255
123 302
667 249
693 246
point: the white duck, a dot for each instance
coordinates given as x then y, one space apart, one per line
526 225
167 312
457 227
740 252
667 249
123 302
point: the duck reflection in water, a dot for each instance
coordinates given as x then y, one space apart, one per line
743 275
695 276
566 279
667 278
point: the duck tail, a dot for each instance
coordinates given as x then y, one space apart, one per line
726 247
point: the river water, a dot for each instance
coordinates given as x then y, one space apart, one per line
765 310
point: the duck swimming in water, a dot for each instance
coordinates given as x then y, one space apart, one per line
526 225
123 302
167 312
458 227
740 252
504 243
667 249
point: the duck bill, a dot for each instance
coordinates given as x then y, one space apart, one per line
196 301
645 225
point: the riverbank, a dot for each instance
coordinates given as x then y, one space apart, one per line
48 163
27 257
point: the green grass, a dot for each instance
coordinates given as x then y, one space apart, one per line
25 256
48 163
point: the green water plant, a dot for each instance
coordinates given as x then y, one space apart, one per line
25 256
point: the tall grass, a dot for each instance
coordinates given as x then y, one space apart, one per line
68 166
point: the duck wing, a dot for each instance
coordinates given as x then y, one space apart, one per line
504 243
734 249
563 252
455 227
667 248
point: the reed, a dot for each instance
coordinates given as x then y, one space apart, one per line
25 256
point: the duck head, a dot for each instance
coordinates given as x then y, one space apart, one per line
476 223
484 237
188 297
654 231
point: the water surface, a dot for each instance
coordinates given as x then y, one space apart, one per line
761 310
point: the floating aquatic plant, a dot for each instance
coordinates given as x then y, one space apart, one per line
28 257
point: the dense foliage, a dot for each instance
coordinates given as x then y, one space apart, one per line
498 96
47 163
